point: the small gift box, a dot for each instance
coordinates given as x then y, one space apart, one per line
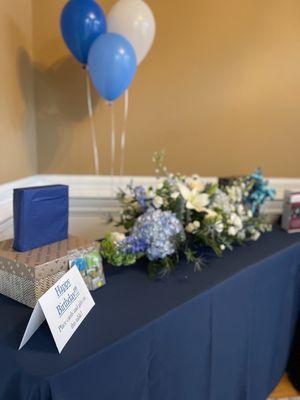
290 220
26 276
40 216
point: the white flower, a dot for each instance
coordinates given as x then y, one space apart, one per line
236 221
117 236
210 213
235 193
150 194
194 200
232 231
240 209
195 183
222 201
250 213
241 235
190 227
174 195
160 186
255 235
219 226
222 247
158 201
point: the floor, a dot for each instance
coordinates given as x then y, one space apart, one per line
285 391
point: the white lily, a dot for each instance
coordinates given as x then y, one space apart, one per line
194 200
195 183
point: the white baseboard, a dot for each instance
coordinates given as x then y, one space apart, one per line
95 195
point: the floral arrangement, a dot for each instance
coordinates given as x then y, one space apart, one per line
181 213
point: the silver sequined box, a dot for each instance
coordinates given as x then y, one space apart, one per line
25 277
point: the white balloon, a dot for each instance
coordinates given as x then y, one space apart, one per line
135 21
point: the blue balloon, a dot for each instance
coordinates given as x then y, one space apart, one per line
82 21
112 65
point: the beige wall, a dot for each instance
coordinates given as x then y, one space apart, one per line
17 120
220 90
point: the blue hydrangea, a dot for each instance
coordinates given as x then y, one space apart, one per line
154 233
133 244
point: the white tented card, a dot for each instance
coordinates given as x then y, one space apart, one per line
64 305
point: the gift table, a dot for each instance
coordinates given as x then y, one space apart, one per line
224 333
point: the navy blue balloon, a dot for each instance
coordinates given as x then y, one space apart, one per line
112 65
82 21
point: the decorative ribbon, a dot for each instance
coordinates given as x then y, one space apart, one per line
113 138
113 145
92 123
123 135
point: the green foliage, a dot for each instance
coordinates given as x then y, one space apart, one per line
111 251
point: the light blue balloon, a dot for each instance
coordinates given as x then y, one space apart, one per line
112 65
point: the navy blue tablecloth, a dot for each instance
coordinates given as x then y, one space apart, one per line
222 334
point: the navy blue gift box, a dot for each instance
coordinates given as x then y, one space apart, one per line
41 216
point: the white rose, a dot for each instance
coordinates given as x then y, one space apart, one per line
242 235
190 227
157 201
236 221
240 209
255 235
196 224
219 227
175 195
150 194
232 231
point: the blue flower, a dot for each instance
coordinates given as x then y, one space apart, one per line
260 191
156 230
134 244
141 196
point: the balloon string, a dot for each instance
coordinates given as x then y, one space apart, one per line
113 143
92 123
123 135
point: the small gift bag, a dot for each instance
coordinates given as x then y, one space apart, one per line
90 266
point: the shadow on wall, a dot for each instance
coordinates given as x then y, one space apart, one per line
60 102
23 123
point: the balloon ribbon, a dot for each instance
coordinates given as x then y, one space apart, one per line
123 135
113 139
92 123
